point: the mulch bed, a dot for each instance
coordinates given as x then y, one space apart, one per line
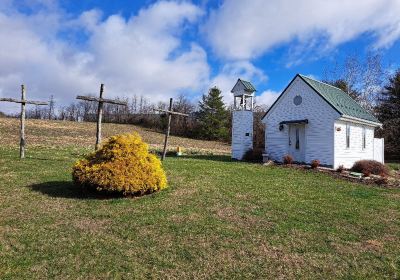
392 181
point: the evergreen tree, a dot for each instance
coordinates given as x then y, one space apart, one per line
388 111
389 107
213 116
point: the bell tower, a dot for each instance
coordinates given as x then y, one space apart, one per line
242 118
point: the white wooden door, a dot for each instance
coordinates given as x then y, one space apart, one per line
297 142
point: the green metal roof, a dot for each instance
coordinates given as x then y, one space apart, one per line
339 100
248 86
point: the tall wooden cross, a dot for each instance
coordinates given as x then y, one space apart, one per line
23 103
169 114
101 102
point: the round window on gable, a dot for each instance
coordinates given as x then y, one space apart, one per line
297 100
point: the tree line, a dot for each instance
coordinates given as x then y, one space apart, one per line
367 81
209 119
388 112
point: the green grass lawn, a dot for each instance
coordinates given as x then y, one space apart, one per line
217 219
394 166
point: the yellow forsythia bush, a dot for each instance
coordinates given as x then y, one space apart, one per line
123 164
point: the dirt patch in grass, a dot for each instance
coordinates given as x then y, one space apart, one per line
187 218
241 218
355 248
373 245
184 192
293 260
395 196
92 225
9 240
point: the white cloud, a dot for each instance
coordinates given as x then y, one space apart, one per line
30 54
53 52
229 74
267 97
247 29
140 55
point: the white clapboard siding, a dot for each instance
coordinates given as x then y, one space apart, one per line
347 156
242 133
379 150
319 138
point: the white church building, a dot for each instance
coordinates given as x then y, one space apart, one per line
310 120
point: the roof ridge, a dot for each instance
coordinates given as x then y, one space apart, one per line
318 81
351 105
240 79
351 98
248 85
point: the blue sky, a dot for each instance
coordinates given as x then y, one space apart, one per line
161 49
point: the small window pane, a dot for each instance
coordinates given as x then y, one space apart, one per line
297 139
347 136
364 142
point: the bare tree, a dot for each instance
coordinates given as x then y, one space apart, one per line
361 79
372 80
52 104
182 125
141 104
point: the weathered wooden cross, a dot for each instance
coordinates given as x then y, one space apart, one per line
101 102
23 102
169 115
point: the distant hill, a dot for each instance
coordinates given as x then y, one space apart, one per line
82 134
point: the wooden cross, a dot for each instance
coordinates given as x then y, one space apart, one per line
23 103
169 114
101 102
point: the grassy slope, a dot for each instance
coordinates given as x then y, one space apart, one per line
394 166
66 133
217 219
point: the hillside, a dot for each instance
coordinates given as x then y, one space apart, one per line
81 134
218 219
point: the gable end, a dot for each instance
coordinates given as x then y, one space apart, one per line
246 86
283 92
